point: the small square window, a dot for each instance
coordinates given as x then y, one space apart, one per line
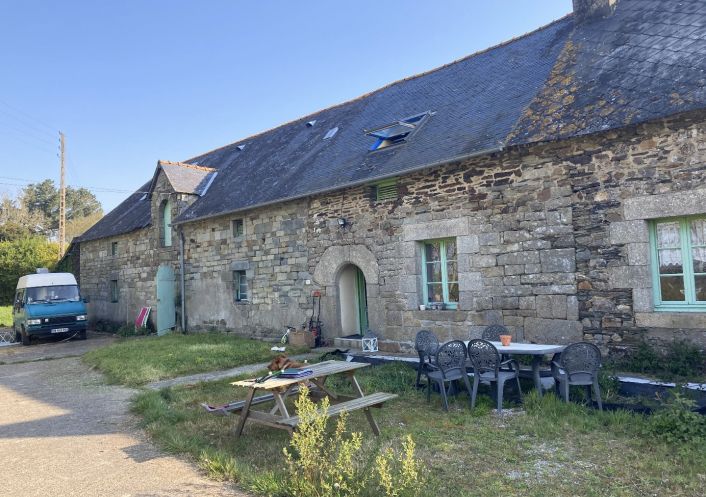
114 249
238 228
114 292
240 286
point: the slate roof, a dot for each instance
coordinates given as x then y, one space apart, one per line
131 214
566 79
185 178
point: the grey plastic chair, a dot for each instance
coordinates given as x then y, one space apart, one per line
427 346
451 364
492 333
578 364
487 368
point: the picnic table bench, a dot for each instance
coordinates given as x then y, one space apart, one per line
280 388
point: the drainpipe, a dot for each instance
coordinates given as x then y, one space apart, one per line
181 280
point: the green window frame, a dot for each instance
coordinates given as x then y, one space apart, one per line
440 272
114 249
240 286
165 214
238 228
678 249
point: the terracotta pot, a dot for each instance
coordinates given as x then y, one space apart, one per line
505 340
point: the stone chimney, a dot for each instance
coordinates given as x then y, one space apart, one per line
587 10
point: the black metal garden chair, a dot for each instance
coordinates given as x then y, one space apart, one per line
492 333
487 368
578 364
426 345
451 364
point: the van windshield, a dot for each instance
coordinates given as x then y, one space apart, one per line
57 293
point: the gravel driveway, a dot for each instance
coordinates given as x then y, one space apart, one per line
64 432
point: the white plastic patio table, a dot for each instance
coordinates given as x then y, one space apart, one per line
536 350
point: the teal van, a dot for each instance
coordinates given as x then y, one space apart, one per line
48 304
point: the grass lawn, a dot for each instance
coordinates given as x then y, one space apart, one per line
5 315
136 361
553 449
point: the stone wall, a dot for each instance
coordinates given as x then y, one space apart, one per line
551 242
547 240
272 252
139 254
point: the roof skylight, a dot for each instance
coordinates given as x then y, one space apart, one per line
331 133
396 132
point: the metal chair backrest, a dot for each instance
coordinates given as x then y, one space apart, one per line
484 356
426 343
493 332
451 356
580 361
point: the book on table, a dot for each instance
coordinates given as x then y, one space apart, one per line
295 373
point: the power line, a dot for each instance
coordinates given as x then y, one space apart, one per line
27 134
28 127
53 129
101 189
34 145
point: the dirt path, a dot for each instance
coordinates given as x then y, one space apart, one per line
64 432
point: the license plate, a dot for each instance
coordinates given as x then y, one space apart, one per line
59 330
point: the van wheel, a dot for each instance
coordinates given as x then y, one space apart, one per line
26 340
82 335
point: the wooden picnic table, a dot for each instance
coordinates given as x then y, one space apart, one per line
278 389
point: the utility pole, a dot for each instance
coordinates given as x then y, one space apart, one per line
62 200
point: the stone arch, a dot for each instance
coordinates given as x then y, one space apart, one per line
336 257
327 274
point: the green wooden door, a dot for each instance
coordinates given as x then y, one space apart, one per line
166 312
362 300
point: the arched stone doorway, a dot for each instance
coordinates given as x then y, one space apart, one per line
348 275
352 300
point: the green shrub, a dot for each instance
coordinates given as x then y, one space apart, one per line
645 359
677 421
130 330
320 465
323 464
681 358
21 257
399 473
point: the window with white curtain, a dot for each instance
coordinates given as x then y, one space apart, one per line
679 263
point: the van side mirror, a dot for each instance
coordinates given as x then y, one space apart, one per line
86 300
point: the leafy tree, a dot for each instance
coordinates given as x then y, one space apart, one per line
20 257
43 198
79 225
16 222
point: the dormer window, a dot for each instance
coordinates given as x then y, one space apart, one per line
396 132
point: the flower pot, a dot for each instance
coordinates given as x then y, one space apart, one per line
301 338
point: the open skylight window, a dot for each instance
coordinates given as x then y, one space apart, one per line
396 132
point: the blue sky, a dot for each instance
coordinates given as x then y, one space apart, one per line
132 82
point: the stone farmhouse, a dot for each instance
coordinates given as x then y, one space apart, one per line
555 183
